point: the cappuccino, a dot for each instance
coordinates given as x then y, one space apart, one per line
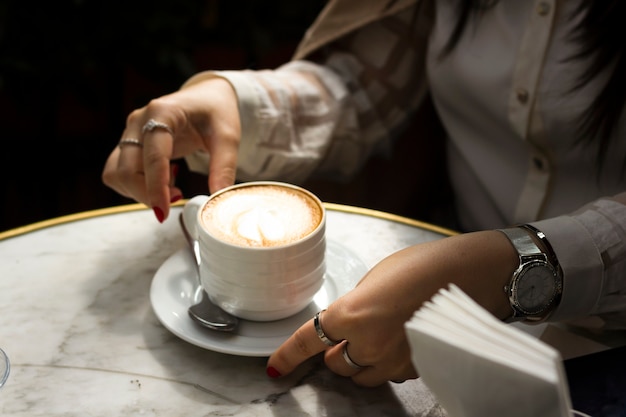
262 247
266 215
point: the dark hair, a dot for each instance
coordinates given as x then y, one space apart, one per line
600 34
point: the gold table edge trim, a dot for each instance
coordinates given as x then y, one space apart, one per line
21 230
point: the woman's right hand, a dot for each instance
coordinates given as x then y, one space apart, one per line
203 116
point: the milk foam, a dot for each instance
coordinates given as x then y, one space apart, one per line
261 216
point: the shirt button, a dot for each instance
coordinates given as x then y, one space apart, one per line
522 95
543 8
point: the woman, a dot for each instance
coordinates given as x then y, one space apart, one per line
532 101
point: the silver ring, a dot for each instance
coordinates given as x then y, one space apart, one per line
320 331
130 141
154 124
348 359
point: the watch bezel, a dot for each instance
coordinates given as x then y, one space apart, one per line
520 273
538 254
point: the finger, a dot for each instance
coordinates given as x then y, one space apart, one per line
222 172
374 376
393 365
369 377
341 362
110 174
130 172
223 162
303 344
224 137
123 171
157 153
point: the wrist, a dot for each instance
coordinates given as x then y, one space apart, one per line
481 264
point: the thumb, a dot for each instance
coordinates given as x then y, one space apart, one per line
220 180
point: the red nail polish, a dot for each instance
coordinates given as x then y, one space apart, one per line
272 372
159 214
176 198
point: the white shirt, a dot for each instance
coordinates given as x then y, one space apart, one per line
502 95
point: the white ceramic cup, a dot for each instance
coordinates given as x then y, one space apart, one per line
262 247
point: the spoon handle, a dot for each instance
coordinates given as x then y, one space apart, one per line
205 311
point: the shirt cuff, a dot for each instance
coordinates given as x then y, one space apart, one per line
582 266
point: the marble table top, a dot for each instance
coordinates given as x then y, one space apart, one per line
77 322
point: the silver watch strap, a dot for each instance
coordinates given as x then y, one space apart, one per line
546 244
521 240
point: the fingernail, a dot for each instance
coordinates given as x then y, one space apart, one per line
176 198
272 372
159 214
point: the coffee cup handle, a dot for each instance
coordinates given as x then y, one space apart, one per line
190 213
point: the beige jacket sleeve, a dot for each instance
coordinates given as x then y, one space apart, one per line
328 117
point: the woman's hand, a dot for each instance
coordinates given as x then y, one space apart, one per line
369 320
203 116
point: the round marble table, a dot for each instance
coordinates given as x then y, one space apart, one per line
77 322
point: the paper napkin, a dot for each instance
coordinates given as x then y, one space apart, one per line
477 366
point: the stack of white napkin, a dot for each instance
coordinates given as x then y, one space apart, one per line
478 366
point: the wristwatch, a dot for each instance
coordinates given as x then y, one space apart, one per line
537 284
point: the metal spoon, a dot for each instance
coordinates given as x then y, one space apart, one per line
205 312
5 367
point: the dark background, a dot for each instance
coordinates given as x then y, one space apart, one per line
71 71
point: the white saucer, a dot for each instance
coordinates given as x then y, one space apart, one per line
172 292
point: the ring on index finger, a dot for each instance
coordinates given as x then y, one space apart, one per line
320 331
155 124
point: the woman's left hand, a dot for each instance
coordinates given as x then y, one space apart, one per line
368 322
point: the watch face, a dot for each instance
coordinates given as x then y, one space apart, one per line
535 288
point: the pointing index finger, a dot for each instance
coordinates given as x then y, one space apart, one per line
303 344
158 146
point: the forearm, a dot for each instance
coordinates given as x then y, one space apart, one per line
480 263
590 245
289 118
325 117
